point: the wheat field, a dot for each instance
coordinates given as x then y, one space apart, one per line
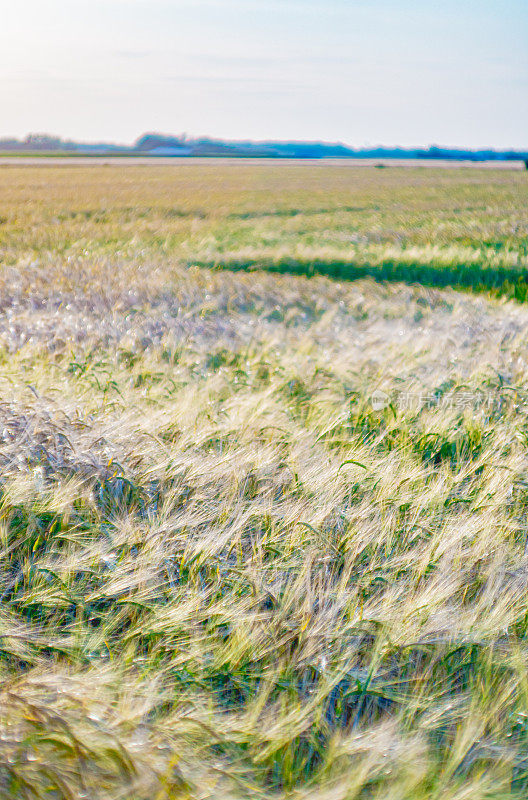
263 535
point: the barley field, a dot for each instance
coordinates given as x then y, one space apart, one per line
264 483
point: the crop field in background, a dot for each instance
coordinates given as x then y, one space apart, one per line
466 227
263 535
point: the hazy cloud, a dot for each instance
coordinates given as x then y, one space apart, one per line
376 71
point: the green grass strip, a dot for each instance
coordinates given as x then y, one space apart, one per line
475 277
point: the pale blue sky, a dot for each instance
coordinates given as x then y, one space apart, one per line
452 72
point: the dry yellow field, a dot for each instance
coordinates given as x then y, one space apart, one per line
263 535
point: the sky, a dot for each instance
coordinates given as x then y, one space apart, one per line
362 72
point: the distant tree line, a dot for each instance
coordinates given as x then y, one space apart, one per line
162 144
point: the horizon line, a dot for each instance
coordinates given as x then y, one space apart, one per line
185 138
